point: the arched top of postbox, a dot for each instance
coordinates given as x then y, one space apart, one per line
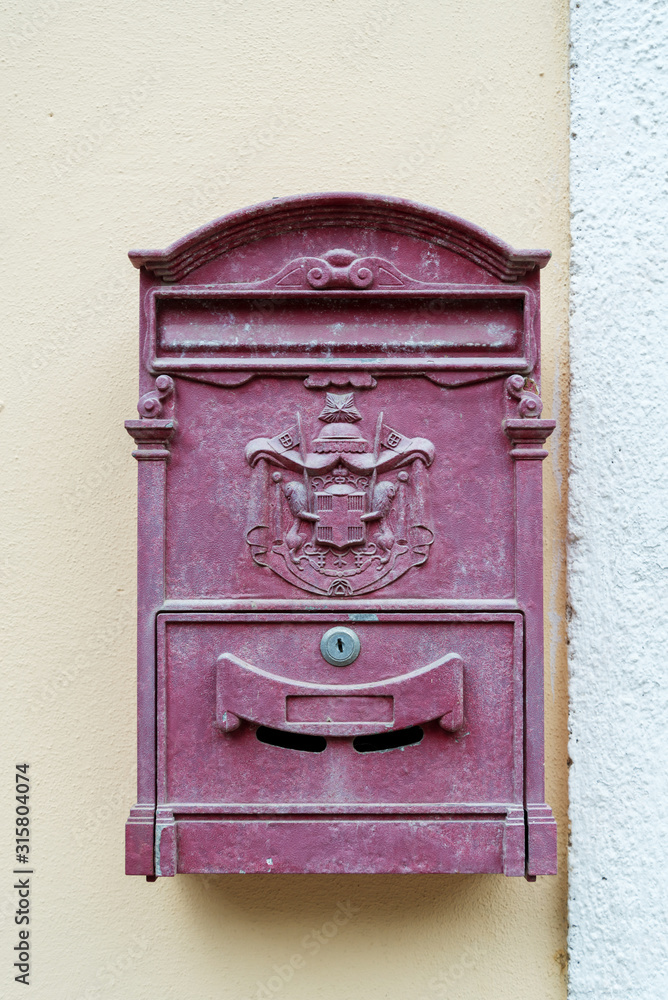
341 209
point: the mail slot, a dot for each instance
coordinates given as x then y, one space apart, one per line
339 444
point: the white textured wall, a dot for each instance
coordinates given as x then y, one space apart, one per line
619 502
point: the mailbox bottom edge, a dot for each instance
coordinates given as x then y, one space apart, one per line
343 846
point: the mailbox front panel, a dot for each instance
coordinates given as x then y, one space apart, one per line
231 521
340 540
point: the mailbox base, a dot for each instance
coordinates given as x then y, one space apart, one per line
140 841
189 843
542 841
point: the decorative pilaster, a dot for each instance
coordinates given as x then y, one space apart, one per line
528 434
151 435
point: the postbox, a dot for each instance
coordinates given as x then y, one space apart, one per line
339 446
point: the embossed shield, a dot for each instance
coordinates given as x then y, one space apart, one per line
340 523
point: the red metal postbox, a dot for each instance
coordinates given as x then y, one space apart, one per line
339 442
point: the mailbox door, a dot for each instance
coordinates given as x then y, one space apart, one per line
424 727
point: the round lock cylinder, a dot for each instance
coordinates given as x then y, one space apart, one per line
340 646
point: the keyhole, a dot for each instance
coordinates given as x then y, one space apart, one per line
340 646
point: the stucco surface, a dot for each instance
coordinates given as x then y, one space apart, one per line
129 124
619 512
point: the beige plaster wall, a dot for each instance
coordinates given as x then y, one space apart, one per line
129 125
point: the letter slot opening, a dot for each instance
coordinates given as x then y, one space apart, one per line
396 740
291 741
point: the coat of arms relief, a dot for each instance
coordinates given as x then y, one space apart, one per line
343 516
